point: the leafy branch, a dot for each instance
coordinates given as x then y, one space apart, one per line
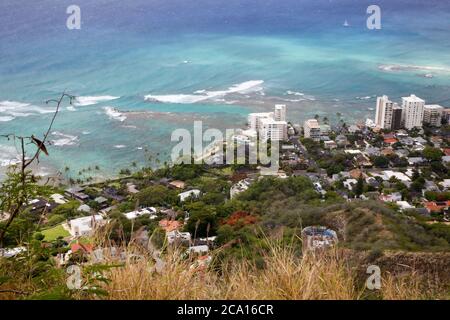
18 187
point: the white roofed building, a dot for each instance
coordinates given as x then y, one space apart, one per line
189 194
413 109
312 129
85 225
432 115
151 212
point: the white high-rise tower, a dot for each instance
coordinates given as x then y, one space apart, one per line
280 112
412 112
383 116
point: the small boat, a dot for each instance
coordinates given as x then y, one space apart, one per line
346 24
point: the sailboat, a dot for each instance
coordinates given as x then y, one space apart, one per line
346 24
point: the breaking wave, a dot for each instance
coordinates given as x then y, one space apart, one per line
63 139
399 67
204 95
91 100
114 114
9 110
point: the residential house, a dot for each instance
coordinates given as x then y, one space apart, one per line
393 197
402 153
330 144
39 206
415 161
84 208
388 174
372 151
239 187
363 161
404 205
170 225
198 249
113 194
350 183
131 188
102 202
387 152
436 206
446 159
150 211
445 184
58 198
84 226
356 173
177 237
372 182
77 193
341 141
195 193
177 184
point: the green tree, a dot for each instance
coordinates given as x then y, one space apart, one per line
381 162
359 188
202 220
156 196
432 154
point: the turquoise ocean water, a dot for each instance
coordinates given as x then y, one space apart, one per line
144 68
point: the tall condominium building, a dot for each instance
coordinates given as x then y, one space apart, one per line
273 130
432 115
280 112
383 117
397 112
312 129
412 112
254 119
270 125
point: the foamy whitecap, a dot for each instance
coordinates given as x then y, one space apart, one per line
13 109
8 156
293 100
294 93
63 139
6 118
114 114
365 98
91 100
399 67
203 95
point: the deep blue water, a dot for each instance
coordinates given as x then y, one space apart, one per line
170 49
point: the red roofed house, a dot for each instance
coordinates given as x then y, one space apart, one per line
84 248
436 206
447 151
170 225
390 140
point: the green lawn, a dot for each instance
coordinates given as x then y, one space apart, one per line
55 232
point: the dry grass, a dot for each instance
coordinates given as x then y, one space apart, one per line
284 277
406 287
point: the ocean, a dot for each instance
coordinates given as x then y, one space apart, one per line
141 69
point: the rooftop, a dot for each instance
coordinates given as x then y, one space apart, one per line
412 98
